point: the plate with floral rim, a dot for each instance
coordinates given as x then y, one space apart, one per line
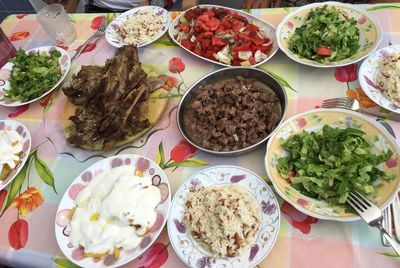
64 62
191 252
370 33
314 120
144 167
367 77
26 147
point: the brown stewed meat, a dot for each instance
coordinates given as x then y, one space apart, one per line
231 114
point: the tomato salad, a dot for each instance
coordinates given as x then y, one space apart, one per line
222 35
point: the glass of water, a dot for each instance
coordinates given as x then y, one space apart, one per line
57 24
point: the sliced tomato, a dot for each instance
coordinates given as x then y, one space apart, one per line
235 62
203 18
215 41
226 25
237 25
258 41
205 44
185 28
240 17
252 61
186 43
244 47
324 51
202 26
262 48
209 54
209 13
213 24
253 27
198 51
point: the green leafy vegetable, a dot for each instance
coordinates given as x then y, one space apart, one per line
328 164
33 74
327 35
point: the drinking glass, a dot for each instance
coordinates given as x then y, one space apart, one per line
57 24
7 50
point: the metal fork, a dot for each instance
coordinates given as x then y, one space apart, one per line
96 36
342 102
371 214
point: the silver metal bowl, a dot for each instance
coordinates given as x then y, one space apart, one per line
226 73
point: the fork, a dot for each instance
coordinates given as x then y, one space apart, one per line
371 214
100 31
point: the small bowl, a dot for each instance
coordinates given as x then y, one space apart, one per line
227 73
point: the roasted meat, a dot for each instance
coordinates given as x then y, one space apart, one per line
231 114
108 101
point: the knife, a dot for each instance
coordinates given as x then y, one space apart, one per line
394 207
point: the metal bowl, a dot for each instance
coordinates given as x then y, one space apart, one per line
226 73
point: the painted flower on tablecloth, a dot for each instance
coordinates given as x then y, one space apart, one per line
63 47
170 82
362 98
182 151
176 65
297 219
88 48
346 73
154 257
96 22
18 110
45 100
21 16
28 201
19 36
18 234
180 156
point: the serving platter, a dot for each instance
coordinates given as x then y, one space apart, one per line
265 27
367 77
64 62
313 120
62 229
26 147
191 252
370 33
121 19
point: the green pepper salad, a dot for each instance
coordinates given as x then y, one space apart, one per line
327 35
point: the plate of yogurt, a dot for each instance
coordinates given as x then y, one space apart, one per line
113 211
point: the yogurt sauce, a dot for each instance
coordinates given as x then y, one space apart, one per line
114 210
10 147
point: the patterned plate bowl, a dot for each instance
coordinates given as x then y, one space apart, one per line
121 19
65 64
370 33
62 228
314 120
191 252
367 77
26 147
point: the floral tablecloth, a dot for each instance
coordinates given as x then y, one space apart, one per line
28 207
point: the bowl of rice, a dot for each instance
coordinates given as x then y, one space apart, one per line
139 26
224 216
379 77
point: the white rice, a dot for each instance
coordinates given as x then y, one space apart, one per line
388 77
225 220
139 28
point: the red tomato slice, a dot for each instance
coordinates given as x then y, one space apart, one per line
203 18
185 28
324 51
198 51
252 61
244 47
205 44
186 43
253 27
213 24
215 41
237 25
209 13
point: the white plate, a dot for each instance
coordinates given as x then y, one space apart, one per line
65 65
149 168
266 28
191 252
121 19
370 33
367 77
26 147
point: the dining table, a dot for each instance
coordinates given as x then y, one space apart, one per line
28 206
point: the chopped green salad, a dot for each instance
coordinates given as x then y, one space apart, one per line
330 163
327 35
33 74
